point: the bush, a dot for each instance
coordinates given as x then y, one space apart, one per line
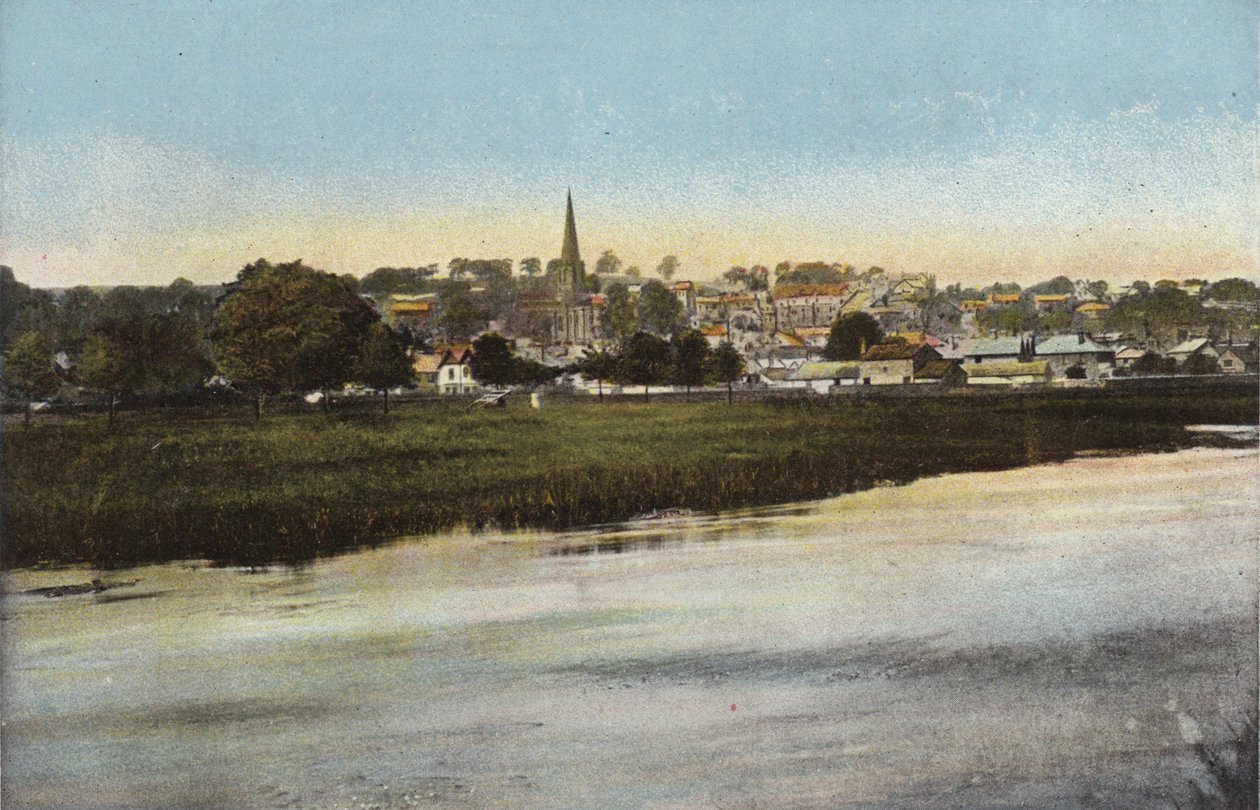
1076 372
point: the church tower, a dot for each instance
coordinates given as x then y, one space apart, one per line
572 271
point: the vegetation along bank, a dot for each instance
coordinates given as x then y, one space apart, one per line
168 486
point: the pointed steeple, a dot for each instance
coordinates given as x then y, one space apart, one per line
569 253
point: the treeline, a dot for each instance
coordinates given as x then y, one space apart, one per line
281 327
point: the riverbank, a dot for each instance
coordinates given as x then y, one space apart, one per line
1063 635
171 486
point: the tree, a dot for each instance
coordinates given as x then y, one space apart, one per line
633 271
849 333
1234 289
1152 363
28 369
1075 372
691 354
105 367
385 281
384 362
643 360
726 365
287 327
599 366
1098 289
1200 364
618 318
607 263
461 315
531 266
660 311
668 267
493 362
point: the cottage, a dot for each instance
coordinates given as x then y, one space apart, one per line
1064 351
1012 373
1195 347
895 363
1128 356
455 372
426 368
1240 360
822 377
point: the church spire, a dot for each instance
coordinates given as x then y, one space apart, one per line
569 250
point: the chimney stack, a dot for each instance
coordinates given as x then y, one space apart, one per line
862 347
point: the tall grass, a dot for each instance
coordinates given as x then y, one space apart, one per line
166 486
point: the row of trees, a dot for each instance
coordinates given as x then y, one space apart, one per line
646 359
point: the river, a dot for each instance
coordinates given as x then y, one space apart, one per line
1059 635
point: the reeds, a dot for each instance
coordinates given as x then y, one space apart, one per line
163 486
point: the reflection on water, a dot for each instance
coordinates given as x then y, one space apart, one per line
903 646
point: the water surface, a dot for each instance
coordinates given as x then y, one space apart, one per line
1057 635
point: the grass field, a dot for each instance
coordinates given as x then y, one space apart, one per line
178 485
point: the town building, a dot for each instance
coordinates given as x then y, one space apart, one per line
895 363
798 305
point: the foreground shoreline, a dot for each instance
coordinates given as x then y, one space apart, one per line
167 487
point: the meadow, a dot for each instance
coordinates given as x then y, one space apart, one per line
216 485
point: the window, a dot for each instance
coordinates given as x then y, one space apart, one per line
450 373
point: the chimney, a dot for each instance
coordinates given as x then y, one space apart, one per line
862 348
1080 338
1032 345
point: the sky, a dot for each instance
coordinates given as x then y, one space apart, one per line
980 141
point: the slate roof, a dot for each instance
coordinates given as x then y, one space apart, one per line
1067 344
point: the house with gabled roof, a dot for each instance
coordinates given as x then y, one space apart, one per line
1240 359
1194 347
894 363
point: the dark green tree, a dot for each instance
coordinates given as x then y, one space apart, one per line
384 281
618 318
384 363
493 362
1151 363
691 355
644 359
668 267
598 365
28 369
726 365
849 333
1200 364
287 327
1234 289
461 314
660 311
105 367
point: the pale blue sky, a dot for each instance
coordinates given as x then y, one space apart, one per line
200 134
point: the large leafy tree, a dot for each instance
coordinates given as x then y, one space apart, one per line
531 266
618 317
660 311
668 267
691 354
28 369
849 333
493 362
462 313
108 368
384 362
726 365
644 359
289 327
